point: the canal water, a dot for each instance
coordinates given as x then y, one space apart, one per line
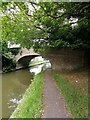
14 85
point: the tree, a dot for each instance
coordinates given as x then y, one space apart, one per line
44 24
58 19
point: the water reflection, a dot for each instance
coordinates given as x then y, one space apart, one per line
16 101
38 68
14 85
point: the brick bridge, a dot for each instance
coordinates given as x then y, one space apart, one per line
24 57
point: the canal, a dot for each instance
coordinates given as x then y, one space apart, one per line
14 85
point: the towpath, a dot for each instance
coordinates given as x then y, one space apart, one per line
53 102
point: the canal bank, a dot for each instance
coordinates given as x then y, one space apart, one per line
31 103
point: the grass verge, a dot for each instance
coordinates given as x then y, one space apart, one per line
77 101
31 103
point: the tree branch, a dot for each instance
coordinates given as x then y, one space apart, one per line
23 11
33 5
39 28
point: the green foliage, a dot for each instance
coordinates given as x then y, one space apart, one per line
4 47
0 47
8 63
48 24
14 51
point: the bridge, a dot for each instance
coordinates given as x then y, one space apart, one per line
24 57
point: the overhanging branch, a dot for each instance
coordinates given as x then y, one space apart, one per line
39 28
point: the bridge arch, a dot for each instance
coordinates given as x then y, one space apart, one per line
23 61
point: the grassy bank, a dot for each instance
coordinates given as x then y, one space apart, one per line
31 104
77 100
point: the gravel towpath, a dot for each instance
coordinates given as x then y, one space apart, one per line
53 102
